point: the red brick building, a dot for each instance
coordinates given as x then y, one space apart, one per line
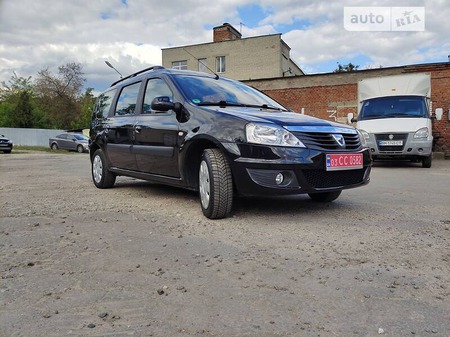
333 95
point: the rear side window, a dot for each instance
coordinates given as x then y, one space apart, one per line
103 104
126 104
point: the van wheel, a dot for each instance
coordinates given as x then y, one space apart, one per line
215 184
325 196
426 161
101 175
80 149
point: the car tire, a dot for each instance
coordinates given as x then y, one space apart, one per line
101 175
215 184
325 196
80 149
54 146
426 161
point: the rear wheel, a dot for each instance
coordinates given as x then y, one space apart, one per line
215 184
325 196
426 161
101 176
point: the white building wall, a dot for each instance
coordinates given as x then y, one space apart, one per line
249 58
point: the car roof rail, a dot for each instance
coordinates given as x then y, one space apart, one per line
139 72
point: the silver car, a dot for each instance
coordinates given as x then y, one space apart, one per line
70 141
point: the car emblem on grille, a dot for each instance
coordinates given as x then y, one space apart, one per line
339 139
391 137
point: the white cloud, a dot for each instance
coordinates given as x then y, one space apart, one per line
36 34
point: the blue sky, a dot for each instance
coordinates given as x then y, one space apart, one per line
131 33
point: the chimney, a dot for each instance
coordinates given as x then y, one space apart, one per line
226 32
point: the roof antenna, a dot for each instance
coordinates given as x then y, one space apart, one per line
111 66
217 76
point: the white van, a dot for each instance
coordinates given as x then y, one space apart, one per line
394 117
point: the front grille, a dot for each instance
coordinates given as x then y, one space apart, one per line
324 179
391 137
325 141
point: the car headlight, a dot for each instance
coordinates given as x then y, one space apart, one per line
364 136
422 133
271 135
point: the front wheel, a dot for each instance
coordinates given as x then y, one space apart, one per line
54 146
215 184
426 161
325 196
80 149
101 176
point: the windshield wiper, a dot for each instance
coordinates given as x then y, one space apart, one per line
264 106
224 104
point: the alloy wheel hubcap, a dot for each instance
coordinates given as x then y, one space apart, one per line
97 169
204 184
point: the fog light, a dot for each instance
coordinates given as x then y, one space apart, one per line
279 178
420 150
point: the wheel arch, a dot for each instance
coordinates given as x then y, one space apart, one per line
94 146
190 160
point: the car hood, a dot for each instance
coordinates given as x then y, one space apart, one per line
287 119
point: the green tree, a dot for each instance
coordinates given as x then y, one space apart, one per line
86 102
58 95
15 86
23 112
17 102
346 68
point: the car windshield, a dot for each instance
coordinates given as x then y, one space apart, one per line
223 92
394 107
81 137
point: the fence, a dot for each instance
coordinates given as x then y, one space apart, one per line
30 137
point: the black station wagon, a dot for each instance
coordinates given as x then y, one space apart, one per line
219 137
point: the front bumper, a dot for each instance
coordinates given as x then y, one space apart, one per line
6 147
410 147
303 171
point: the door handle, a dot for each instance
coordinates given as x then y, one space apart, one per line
137 128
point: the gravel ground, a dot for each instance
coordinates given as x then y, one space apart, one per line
141 260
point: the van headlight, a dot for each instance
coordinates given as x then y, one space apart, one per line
422 133
266 134
364 136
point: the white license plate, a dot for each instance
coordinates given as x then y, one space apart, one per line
343 161
390 142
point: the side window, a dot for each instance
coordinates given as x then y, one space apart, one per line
103 104
156 87
126 104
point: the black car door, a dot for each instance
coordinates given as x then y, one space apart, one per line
156 133
121 127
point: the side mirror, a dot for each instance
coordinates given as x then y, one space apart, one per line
162 103
438 113
350 118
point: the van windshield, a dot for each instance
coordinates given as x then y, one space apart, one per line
394 107
223 92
